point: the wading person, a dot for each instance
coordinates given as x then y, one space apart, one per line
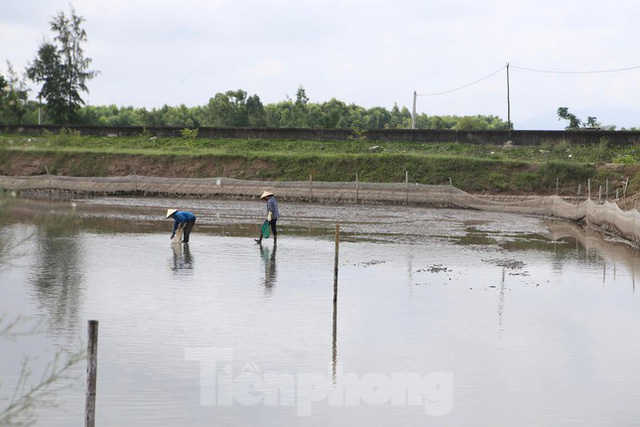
272 215
183 219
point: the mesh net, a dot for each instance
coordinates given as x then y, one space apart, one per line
606 215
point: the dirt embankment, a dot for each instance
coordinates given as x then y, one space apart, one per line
98 164
624 179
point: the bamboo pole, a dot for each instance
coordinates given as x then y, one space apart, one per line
92 370
335 265
406 180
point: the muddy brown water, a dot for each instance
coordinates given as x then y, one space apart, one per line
444 317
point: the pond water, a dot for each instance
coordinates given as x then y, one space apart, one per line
444 317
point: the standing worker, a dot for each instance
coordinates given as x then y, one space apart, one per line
184 220
272 215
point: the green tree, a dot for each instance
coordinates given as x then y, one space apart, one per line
63 69
228 109
332 112
575 122
255 112
592 122
564 114
47 69
13 98
468 123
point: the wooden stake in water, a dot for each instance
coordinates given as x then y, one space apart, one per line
49 177
335 265
357 189
92 371
406 180
311 182
589 187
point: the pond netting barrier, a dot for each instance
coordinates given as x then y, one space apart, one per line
606 215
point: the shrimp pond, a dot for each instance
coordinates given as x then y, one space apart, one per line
442 317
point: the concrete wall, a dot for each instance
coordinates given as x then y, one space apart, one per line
518 137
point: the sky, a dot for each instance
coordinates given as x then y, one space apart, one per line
370 53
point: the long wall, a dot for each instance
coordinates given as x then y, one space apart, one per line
517 137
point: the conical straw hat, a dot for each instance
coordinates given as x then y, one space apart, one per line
266 194
170 211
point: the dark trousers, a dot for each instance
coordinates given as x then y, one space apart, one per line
274 231
186 230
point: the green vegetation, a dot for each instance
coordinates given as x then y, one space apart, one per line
62 69
473 168
575 123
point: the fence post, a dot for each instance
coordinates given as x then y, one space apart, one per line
579 188
589 187
311 181
606 191
357 188
92 370
624 191
557 184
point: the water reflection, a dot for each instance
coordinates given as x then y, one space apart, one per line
437 326
270 273
501 299
182 259
334 342
596 248
56 276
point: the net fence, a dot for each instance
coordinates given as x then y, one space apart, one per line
606 215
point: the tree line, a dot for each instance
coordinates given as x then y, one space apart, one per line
62 71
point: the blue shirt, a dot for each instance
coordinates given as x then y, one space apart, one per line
182 217
272 206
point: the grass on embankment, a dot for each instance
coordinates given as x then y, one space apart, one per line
473 168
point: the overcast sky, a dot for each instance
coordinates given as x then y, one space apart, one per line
370 53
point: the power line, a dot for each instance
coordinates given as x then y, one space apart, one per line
615 70
462 87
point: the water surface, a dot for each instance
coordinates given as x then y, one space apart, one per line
506 320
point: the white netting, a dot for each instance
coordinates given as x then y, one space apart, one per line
608 215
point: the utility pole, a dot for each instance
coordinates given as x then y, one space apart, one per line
509 127
413 115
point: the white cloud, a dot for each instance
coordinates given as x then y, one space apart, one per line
269 67
372 53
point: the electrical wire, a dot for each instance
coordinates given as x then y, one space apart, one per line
462 87
615 70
